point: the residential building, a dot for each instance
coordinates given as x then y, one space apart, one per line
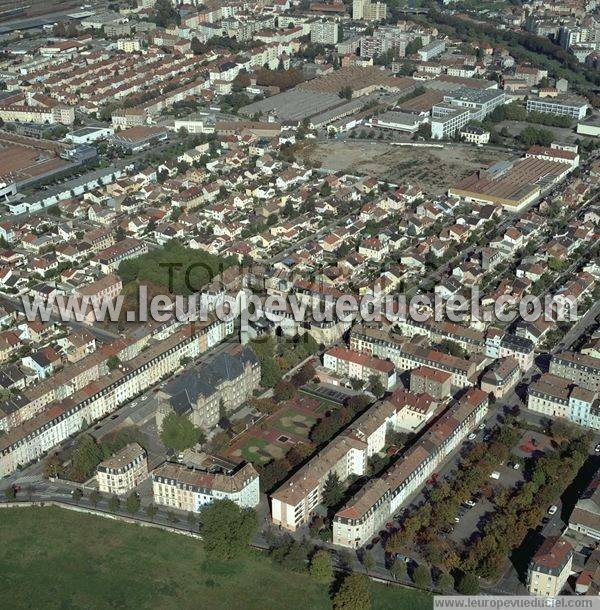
367 512
575 108
188 489
585 518
550 567
581 369
559 397
324 31
361 366
124 471
215 388
438 384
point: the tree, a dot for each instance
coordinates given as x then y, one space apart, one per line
77 495
86 456
197 47
179 433
151 511
120 234
133 503
270 372
192 520
398 569
332 490
227 529
368 561
94 497
52 466
422 577
376 386
112 363
165 13
353 594
10 493
284 390
468 584
113 504
445 582
345 92
320 567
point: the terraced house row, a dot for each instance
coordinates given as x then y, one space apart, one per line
34 437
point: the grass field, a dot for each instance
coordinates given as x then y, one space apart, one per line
54 558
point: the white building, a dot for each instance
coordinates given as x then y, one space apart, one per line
123 471
177 486
324 32
575 108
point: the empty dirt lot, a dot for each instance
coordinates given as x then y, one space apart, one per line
434 169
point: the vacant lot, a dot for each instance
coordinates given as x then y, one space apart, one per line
434 169
52 558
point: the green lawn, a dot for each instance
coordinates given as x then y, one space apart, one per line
54 558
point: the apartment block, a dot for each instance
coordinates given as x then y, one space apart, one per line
361 366
575 108
324 32
123 471
224 381
585 517
33 437
550 567
367 512
410 354
581 369
294 502
368 11
558 397
177 486
438 384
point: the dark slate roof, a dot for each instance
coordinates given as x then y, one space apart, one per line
204 379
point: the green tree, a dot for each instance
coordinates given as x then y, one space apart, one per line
77 495
346 92
112 363
179 433
353 594
468 584
94 497
227 529
113 504
320 567
368 561
422 577
86 456
192 520
398 569
10 493
165 13
133 503
270 372
332 490
445 582
151 511
376 386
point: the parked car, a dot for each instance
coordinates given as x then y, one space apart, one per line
472 436
516 466
470 503
495 475
552 510
597 448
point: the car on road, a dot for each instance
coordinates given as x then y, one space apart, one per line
597 448
144 398
495 475
456 519
552 510
481 426
470 503
114 416
472 436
